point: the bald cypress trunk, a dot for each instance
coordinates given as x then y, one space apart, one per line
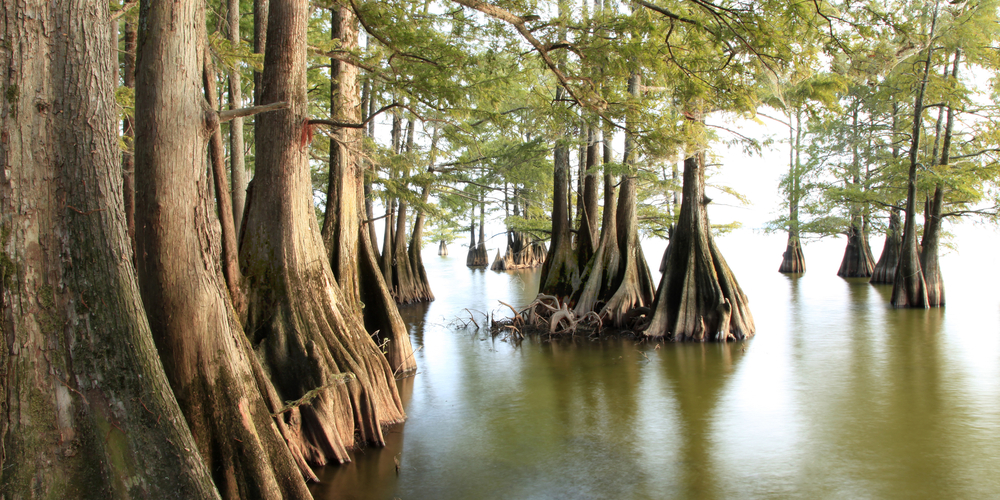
128 129
87 408
347 241
698 298
207 358
909 289
237 164
929 261
310 339
885 269
793 261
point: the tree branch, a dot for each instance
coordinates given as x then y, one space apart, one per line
230 114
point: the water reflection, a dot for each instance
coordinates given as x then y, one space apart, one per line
838 396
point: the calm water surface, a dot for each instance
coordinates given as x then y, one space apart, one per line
837 396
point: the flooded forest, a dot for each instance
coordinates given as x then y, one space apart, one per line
284 249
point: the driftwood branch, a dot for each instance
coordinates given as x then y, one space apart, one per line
230 114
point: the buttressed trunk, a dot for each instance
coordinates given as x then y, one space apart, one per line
857 261
205 354
908 288
793 261
87 408
885 269
698 298
312 343
560 274
353 258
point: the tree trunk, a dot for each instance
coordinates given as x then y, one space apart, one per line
342 219
632 283
205 353
908 289
237 164
587 234
857 261
885 269
560 274
477 251
698 298
87 408
443 249
793 261
311 340
128 128
421 283
929 261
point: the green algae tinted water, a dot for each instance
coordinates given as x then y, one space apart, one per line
838 395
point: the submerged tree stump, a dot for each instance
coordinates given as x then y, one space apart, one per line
698 298
443 249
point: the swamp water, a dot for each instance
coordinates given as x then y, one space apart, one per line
837 395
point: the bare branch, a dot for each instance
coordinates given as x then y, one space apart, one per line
230 114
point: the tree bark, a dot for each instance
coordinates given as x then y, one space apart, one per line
909 288
87 408
312 343
885 269
857 261
128 129
929 261
348 242
205 354
237 163
560 274
698 298
793 261
632 283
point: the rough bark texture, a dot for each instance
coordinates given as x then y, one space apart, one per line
588 234
793 261
312 343
857 261
85 407
237 164
601 272
348 244
343 215
204 351
633 283
216 153
698 298
885 269
560 274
